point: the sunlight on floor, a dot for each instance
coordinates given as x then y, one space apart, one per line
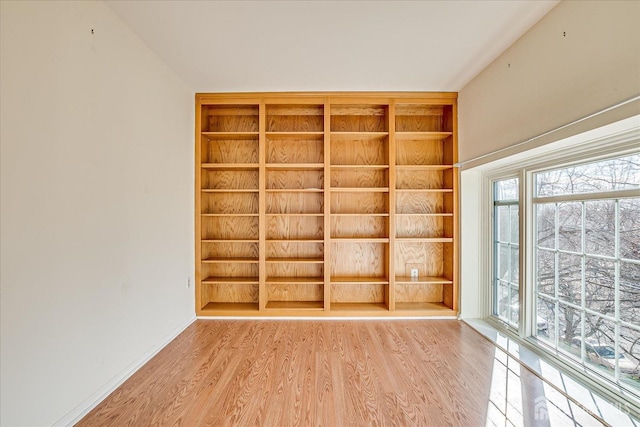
534 393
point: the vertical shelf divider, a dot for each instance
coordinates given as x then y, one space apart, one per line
327 205
390 259
262 206
455 219
198 206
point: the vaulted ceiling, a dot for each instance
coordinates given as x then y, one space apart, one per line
239 46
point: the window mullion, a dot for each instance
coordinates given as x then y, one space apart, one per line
583 293
525 236
616 287
556 281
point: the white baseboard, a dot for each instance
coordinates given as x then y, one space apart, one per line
94 399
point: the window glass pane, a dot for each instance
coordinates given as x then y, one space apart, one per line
545 320
570 278
502 223
600 345
503 262
514 224
546 225
515 265
630 228
604 175
630 293
501 307
514 308
599 279
629 360
570 227
600 227
546 272
506 190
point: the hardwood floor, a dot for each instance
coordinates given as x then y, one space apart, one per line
329 373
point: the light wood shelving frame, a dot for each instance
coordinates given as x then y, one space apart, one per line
321 204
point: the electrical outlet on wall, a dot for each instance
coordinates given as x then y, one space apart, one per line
188 282
413 270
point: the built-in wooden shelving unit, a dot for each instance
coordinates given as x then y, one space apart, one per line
325 203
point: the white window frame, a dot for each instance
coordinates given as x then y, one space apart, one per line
612 145
493 178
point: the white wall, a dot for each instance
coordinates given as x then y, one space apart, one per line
582 57
97 206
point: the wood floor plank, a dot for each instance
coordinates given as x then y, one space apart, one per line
321 373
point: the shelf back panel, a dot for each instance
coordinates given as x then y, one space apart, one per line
229 250
359 259
229 151
294 292
230 293
295 227
357 293
229 203
230 118
360 152
229 180
296 179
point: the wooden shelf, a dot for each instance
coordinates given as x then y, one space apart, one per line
382 214
294 190
230 308
358 189
230 166
438 307
295 305
214 260
350 280
425 239
228 214
413 168
348 136
358 306
295 214
295 166
424 190
422 280
229 240
296 280
225 190
358 167
360 239
422 136
236 280
230 135
426 214
294 241
295 135
297 260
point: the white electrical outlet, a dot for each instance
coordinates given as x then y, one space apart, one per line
188 282
414 273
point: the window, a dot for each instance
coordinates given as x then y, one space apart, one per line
555 253
566 276
587 264
506 251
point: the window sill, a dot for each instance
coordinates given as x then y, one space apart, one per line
575 387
